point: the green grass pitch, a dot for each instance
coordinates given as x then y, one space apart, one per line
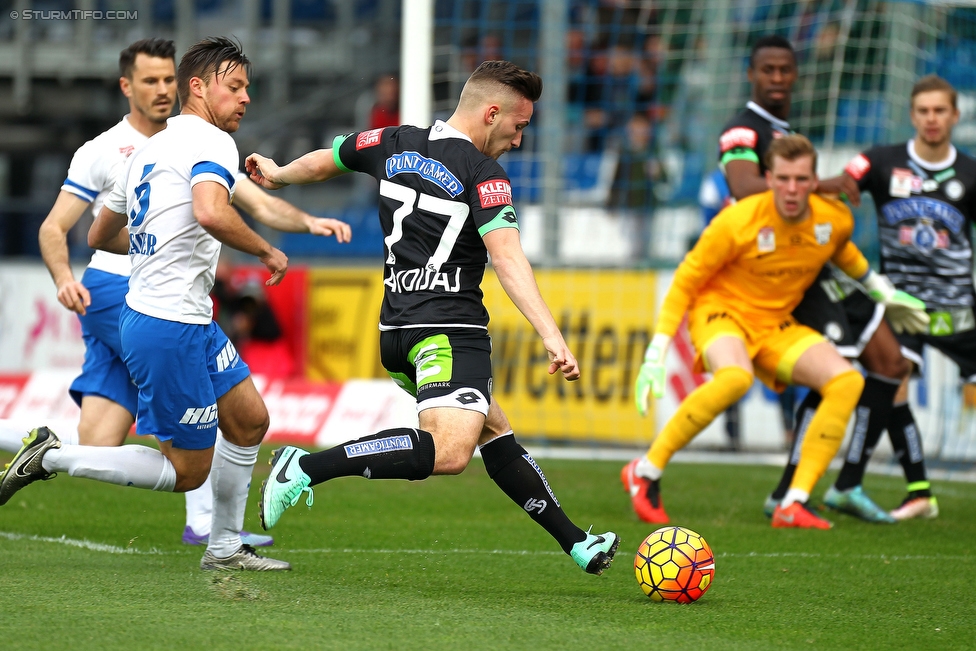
450 563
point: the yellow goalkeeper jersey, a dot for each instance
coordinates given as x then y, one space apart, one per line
751 259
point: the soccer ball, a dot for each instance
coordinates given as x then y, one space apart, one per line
674 564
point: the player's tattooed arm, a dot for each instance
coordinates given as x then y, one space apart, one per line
516 277
213 211
280 215
744 178
314 166
109 232
53 240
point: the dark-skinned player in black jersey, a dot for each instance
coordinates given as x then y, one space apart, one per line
925 196
445 204
842 313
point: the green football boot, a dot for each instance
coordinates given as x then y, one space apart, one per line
284 486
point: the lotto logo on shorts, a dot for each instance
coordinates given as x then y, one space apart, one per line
379 446
199 415
738 137
858 167
368 138
227 357
495 193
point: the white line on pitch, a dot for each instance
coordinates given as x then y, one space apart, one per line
112 549
84 544
431 552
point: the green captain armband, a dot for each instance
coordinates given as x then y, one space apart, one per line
336 143
504 219
739 153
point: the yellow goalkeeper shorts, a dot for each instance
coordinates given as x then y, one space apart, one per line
773 345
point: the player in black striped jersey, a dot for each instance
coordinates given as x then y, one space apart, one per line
445 204
925 195
848 318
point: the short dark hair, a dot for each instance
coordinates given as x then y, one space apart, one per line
525 83
929 83
154 47
203 60
790 148
770 40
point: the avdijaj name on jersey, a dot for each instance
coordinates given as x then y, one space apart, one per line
416 280
428 168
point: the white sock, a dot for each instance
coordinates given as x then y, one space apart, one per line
11 437
13 431
648 470
794 495
129 465
199 508
231 477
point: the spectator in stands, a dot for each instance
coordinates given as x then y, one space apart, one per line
612 93
815 85
386 107
242 310
577 59
624 21
486 48
687 123
594 116
649 71
638 170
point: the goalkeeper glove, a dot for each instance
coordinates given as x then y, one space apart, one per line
905 312
651 375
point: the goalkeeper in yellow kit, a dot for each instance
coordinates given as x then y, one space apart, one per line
739 286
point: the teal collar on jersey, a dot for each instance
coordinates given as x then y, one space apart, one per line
932 167
766 115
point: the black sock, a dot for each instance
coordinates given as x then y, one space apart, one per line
804 414
402 453
908 449
870 419
519 477
732 425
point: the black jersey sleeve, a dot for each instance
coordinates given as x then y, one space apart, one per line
361 151
491 199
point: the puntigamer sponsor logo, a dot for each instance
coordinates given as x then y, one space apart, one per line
542 476
923 208
389 444
429 169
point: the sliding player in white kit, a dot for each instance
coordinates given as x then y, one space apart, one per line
104 390
175 197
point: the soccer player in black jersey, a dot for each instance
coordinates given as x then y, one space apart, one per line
445 204
846 317
925 195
